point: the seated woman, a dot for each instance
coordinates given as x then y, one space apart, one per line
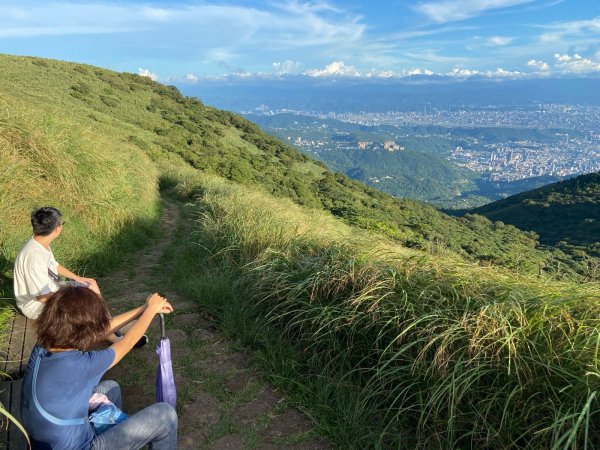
64 371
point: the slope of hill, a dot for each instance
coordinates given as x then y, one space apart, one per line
159 120
390 347
386 346
564 214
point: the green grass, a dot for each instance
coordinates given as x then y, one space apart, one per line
6 316
393 348
385 346
107 193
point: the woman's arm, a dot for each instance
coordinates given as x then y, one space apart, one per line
118 322
154 304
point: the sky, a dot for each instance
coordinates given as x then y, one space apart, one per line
187 41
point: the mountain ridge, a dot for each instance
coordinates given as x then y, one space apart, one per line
565 214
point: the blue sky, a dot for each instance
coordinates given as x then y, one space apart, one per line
190 40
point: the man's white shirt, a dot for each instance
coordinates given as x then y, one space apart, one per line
31 277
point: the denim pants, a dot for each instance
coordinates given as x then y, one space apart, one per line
155 426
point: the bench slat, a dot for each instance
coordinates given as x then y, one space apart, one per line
29 341
16 438
4 348
15 349
5 389
14 354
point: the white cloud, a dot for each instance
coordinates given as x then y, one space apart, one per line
539 65
412 72
451 10
191 78
559 31
499 40
575 64
147 73
463 73
498 73
564 58
502 73
281 24
337 68
286 67
31 19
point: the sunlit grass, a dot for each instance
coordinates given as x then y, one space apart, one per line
400 348
101 186
385 346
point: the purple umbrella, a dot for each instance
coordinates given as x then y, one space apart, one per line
165 382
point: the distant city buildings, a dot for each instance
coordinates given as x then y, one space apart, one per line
510 161
391 146
570 146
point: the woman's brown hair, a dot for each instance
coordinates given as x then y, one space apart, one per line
74 317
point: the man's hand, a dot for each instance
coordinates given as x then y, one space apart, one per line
85 280
89 282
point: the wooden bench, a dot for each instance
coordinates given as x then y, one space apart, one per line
14 355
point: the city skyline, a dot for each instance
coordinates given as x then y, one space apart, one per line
184 42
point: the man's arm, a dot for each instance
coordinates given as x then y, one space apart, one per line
64 272
43 298
90 282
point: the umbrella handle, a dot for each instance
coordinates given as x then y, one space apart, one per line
163 333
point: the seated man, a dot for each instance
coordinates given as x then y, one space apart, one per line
36 272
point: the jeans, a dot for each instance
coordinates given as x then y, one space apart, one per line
155 426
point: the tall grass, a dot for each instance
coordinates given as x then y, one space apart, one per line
400 349
107 190
389 347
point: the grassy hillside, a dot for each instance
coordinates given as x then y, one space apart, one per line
386 346
564 214
159 121
391 347
105 187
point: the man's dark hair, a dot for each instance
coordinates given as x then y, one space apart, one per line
74 317
45 220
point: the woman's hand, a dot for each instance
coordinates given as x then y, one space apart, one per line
158 304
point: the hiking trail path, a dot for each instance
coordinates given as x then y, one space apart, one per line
222 401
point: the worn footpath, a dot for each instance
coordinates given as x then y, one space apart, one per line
222 401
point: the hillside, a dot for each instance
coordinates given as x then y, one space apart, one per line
158 120
382 345
564 214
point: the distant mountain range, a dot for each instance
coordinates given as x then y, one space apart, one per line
345 94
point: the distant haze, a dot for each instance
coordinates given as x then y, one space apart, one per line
408 94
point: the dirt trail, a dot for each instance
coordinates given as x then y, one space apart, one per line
222 401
